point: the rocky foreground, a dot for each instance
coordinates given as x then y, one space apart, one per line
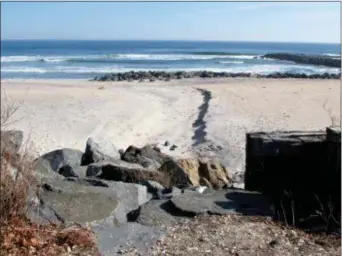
152 76
143 202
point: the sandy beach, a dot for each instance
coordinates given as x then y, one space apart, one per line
203 117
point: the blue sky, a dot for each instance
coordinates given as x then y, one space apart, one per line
228 21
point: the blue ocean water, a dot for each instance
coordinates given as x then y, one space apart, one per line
85 59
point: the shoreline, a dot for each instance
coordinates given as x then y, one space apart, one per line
207 79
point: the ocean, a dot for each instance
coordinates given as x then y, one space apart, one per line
86 59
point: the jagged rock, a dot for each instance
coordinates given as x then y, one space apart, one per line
99 150
166 144
11 141
215 173
58 162
147 156
195 173
118 172
191 167
177 175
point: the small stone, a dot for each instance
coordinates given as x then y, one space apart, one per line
173 147
166 144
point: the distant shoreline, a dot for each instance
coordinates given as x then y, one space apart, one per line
87 59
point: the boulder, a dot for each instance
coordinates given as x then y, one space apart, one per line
129 196
11 141
147 156
103 209
63 202
215 173
176 174
191 167
118 172
98 150
231 201
196 173
57 163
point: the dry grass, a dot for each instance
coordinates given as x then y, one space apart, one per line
239 236
8 109
16 169
16 178
21 237
18 235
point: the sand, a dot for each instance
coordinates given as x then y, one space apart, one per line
64 113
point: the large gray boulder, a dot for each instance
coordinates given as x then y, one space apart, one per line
99 205
125 173
64 202
58 163
130 196
86 200
230 201
99 150
11 141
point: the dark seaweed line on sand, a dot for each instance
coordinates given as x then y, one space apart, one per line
199 124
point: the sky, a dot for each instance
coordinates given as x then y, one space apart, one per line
221 21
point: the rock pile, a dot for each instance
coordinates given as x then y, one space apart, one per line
126 198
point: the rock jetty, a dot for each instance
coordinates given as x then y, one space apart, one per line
152 76
305 59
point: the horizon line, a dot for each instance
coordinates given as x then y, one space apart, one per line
169 40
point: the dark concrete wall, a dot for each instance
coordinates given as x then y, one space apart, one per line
295 168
